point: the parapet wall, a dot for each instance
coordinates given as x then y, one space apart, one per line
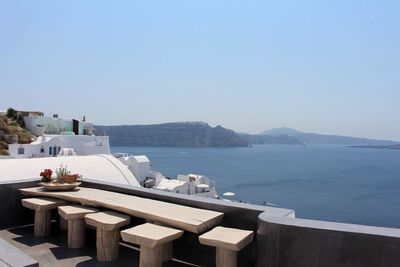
305 243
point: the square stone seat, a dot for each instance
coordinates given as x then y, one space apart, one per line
42 208
107 225
76 223
152 240
228 241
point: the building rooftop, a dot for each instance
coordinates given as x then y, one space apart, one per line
167 184
104 168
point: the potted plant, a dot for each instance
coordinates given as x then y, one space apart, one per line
65 176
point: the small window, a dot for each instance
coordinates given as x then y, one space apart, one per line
42 150
177 191
21 151
50 150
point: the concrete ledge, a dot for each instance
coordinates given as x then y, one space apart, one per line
12 256
333 226
303 243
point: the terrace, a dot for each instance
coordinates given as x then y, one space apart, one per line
280 238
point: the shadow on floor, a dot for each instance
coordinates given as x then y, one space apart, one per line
53 251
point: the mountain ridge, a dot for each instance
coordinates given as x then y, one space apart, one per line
201 134
172 134
316 138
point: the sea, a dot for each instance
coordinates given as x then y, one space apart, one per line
322 182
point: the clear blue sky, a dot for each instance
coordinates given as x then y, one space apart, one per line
322 66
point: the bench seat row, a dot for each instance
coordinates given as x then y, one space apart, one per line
155 240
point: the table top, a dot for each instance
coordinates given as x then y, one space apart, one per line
182 217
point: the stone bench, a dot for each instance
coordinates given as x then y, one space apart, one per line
107 226
12 256
42 207
152 239
228 241
74 215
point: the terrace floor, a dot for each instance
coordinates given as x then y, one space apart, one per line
52 251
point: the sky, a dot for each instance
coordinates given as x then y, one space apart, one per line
317 66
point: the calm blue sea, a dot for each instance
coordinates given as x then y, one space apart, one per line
334 183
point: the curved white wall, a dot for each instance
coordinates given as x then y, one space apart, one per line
100 167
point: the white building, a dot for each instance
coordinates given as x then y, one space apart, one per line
104 168
73 137
39 125
191 184
138 165
51 145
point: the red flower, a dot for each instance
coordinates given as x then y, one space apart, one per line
46 173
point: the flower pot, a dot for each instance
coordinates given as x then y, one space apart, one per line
69 178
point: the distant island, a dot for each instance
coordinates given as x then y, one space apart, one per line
200 134
325 139
179 134
262 139
396 147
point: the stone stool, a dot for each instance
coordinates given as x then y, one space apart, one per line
74 215
228 241
151 239
107 225
42 207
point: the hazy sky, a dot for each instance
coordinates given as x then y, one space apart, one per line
322 66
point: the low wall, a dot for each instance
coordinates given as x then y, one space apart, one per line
11 211
305 243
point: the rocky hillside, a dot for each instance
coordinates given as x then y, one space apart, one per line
9 125
181 134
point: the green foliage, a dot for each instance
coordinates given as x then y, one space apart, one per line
12 113
62 171
16 116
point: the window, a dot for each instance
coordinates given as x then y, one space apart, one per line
42 150
50 150
21 151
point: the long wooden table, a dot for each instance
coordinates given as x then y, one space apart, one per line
183 217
